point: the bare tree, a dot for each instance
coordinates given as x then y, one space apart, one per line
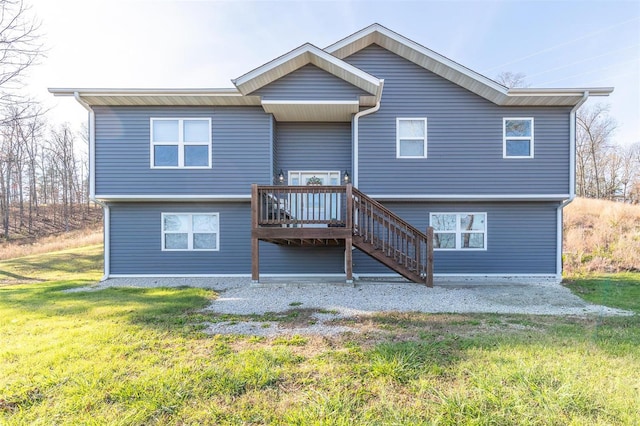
596 166
630 173
20 46
61 146
510 79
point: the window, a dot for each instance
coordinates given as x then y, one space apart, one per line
180 143
459 231
517 138
190 231
411 138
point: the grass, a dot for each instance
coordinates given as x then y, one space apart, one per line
129 356
51 243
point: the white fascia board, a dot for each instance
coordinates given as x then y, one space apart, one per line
180 276
503 93
173 197
315 56
385 32
570 92
470 197
143 92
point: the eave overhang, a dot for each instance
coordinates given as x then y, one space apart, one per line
292 110
456 73
159 97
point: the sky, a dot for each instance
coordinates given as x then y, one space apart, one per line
205 44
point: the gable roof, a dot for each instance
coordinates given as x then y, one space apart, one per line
331 60
456 73
299 57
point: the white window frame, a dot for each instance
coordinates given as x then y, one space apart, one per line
459 231
519 138
189 231
325 173
180 143
424 140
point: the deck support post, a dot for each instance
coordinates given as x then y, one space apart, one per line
255 243
348 242
348 259
429 280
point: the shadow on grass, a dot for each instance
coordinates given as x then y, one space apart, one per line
15 278
169 309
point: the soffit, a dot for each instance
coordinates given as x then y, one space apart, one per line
305 111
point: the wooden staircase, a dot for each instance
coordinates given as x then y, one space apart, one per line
339 215
389 239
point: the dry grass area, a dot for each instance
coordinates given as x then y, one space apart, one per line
601 236
72 239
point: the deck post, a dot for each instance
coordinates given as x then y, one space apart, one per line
429 256
348 259
348 242
255 244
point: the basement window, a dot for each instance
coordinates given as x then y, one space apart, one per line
190 231
459 231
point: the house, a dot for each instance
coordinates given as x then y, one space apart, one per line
337 160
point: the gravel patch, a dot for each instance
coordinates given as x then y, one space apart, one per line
238 296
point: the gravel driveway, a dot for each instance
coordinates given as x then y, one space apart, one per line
336 300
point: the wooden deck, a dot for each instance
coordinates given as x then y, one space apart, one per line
339 216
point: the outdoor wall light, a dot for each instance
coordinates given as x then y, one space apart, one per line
281 177
345 177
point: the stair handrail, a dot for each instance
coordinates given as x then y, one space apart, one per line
401 228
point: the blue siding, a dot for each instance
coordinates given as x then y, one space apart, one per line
240 152
521 239
310 83
464 137
136 245
314 146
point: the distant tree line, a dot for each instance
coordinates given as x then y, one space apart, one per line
43 169
604 169
40 166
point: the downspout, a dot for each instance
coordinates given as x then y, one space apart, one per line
356 174
572 181
92 184
356 145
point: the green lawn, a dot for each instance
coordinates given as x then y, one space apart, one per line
140 356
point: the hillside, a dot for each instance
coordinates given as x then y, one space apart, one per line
601 236
49 231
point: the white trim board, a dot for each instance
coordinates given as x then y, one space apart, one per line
180 276
470 197
384 197
173 197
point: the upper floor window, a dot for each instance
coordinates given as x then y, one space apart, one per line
411 138
190 231
459 231
180 143
517 138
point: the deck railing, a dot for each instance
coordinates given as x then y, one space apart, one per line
373 226
301 206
